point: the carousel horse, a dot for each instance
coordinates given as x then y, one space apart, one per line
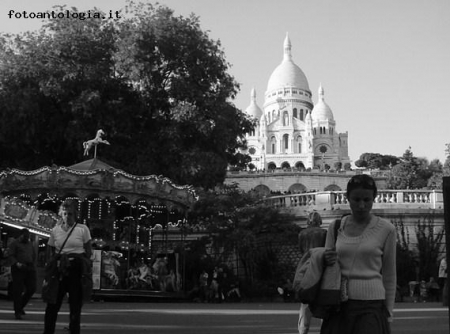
97 140
110 265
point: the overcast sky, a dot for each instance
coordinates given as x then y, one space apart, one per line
384 65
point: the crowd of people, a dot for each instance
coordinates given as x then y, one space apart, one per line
215 287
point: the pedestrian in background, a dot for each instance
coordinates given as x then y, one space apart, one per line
310 237
75 255
433 290
22 257
203 285
366 251
443 280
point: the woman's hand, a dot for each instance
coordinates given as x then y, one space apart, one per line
330 256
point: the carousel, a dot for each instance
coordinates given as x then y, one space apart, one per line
136 222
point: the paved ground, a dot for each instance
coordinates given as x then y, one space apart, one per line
187 318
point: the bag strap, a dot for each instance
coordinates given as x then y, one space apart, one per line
337 224
64 243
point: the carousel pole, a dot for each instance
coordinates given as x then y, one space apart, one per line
129 240
166 234
183 248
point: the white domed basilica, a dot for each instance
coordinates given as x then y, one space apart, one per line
291 131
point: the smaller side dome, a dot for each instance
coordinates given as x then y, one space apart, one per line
253 109
321 110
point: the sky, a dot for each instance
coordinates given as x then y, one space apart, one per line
384 65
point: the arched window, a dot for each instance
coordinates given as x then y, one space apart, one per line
285 165
300 166
301 114
332 187
297 188
299 144
295 112
263 189
286 142
273 145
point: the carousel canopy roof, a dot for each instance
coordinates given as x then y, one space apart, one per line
94 177
83 180
91 164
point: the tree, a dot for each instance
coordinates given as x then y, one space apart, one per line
347 166
361 163
57 87
410 173
376 161
155 83
186 90
429 246
439 171
405 258
422 256
239 223
338 165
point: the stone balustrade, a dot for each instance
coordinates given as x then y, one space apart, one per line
335 200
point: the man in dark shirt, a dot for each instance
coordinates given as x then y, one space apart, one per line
22 256
310 237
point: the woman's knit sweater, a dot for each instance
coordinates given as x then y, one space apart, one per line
368 261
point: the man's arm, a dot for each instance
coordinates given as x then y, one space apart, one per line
12 249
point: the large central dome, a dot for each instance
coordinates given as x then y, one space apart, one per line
287 74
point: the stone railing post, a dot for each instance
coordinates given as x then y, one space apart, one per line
436 200
323 200
400 197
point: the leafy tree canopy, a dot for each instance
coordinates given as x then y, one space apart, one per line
236 220
439 171
376 161
407 171
155 83
410 173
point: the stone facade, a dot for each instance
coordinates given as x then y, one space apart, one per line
291 132
280 181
